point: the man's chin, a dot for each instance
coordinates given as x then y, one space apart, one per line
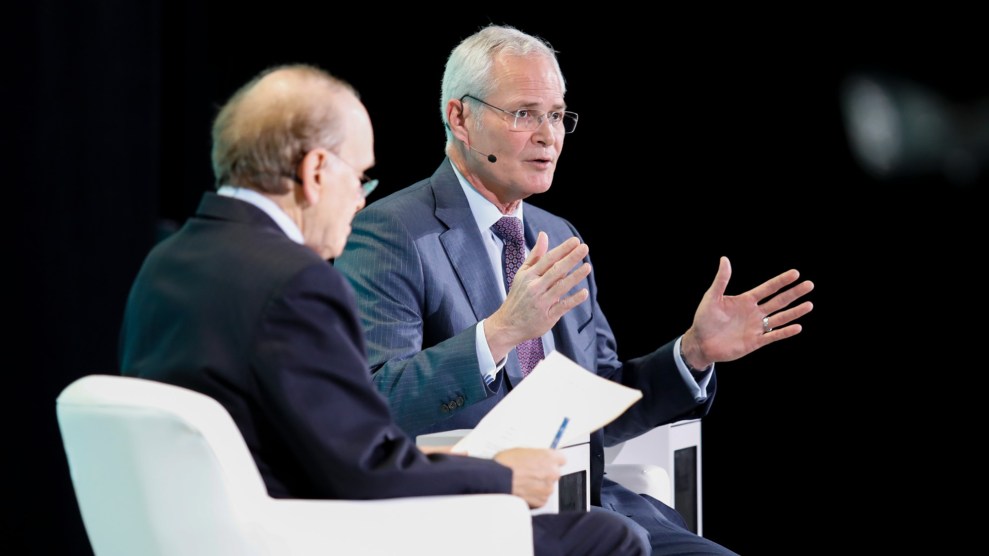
541 187
540 183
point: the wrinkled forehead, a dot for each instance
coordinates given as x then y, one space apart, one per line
528 78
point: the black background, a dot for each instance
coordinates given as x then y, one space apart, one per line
702 133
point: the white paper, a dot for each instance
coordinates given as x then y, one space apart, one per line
531 414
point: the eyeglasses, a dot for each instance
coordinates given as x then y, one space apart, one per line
367 184
530 120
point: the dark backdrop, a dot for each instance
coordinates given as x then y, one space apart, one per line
701 134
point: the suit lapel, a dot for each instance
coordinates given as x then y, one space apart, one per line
463 244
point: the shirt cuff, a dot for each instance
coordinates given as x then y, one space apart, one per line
485 361
697 386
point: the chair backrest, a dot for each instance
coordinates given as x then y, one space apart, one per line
138 450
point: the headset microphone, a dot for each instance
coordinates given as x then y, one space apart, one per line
491 158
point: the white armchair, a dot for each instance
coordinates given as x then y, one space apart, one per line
160 470
643 478
664 463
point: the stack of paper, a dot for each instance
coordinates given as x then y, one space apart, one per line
531 414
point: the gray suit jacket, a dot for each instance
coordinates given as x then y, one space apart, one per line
423 281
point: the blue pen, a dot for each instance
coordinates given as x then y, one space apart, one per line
559 433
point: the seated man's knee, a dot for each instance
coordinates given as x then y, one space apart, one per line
619 534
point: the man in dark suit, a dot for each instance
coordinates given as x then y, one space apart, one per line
241 304
443 328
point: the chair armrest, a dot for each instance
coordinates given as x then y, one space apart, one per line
388 527
642 479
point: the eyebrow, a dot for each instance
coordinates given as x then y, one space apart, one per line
556 107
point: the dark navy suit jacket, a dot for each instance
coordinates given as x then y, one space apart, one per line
231 307
423 281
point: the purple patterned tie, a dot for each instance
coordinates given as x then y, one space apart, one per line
509 229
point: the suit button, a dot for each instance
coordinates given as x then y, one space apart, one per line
460 401
444 408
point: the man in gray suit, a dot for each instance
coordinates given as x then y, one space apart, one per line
443 329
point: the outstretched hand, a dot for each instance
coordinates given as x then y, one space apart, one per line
729 327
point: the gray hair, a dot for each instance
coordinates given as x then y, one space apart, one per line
468 69
262 133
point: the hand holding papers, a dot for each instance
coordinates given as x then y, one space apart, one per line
530 415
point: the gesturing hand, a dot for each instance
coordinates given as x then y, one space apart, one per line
728 327
537 299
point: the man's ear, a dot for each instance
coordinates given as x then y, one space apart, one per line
455 119
311 177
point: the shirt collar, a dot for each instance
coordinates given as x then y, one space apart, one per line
267 205
484 211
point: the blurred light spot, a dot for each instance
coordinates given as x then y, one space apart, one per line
897 128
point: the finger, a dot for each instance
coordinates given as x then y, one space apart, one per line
558 253
553 475
564 305
564 267
570 250
783 318
538 250
569 281
553 457
782 333
787 297
774 284
720 283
